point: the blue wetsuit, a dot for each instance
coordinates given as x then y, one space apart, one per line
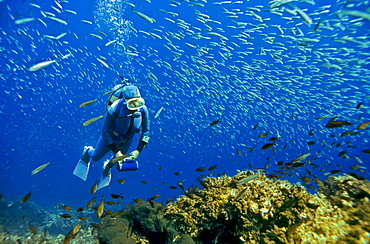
119 128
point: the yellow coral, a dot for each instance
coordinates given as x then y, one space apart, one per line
264 209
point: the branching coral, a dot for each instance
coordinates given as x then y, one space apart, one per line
262 210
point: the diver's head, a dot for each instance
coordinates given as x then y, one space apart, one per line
130 91
132 96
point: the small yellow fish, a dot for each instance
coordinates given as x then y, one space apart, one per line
121 181
87 103
76 228
90 121
248 178
100 208
363 125
301 158
38 169
93 188
66 207
90 203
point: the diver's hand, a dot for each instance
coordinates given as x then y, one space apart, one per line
134 155
119 154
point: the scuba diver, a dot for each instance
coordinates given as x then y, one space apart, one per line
125 114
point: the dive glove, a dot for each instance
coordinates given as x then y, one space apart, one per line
119 154
134 155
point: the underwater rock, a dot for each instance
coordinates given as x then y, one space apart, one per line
144 221
115 231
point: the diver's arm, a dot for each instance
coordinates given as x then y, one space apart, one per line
145 126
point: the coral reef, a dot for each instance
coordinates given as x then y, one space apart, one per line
245 208
255 209
352 197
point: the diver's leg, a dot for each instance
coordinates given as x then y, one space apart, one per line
100 150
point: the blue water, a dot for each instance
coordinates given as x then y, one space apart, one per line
41 121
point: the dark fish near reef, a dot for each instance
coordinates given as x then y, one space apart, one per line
32 229
336 124
170 200
366 151
241 194
137 200
144 182
305 179
153 198
319 182
273 139
263 135
267 146
200 169
66 207
213 167
66 216
354 175
26 197
79 210
213 123
115 214
238 152
114 196
298 165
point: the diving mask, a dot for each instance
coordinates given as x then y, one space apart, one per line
135 103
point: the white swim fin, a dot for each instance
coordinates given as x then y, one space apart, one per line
82 170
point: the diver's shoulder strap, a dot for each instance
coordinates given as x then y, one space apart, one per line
119 105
